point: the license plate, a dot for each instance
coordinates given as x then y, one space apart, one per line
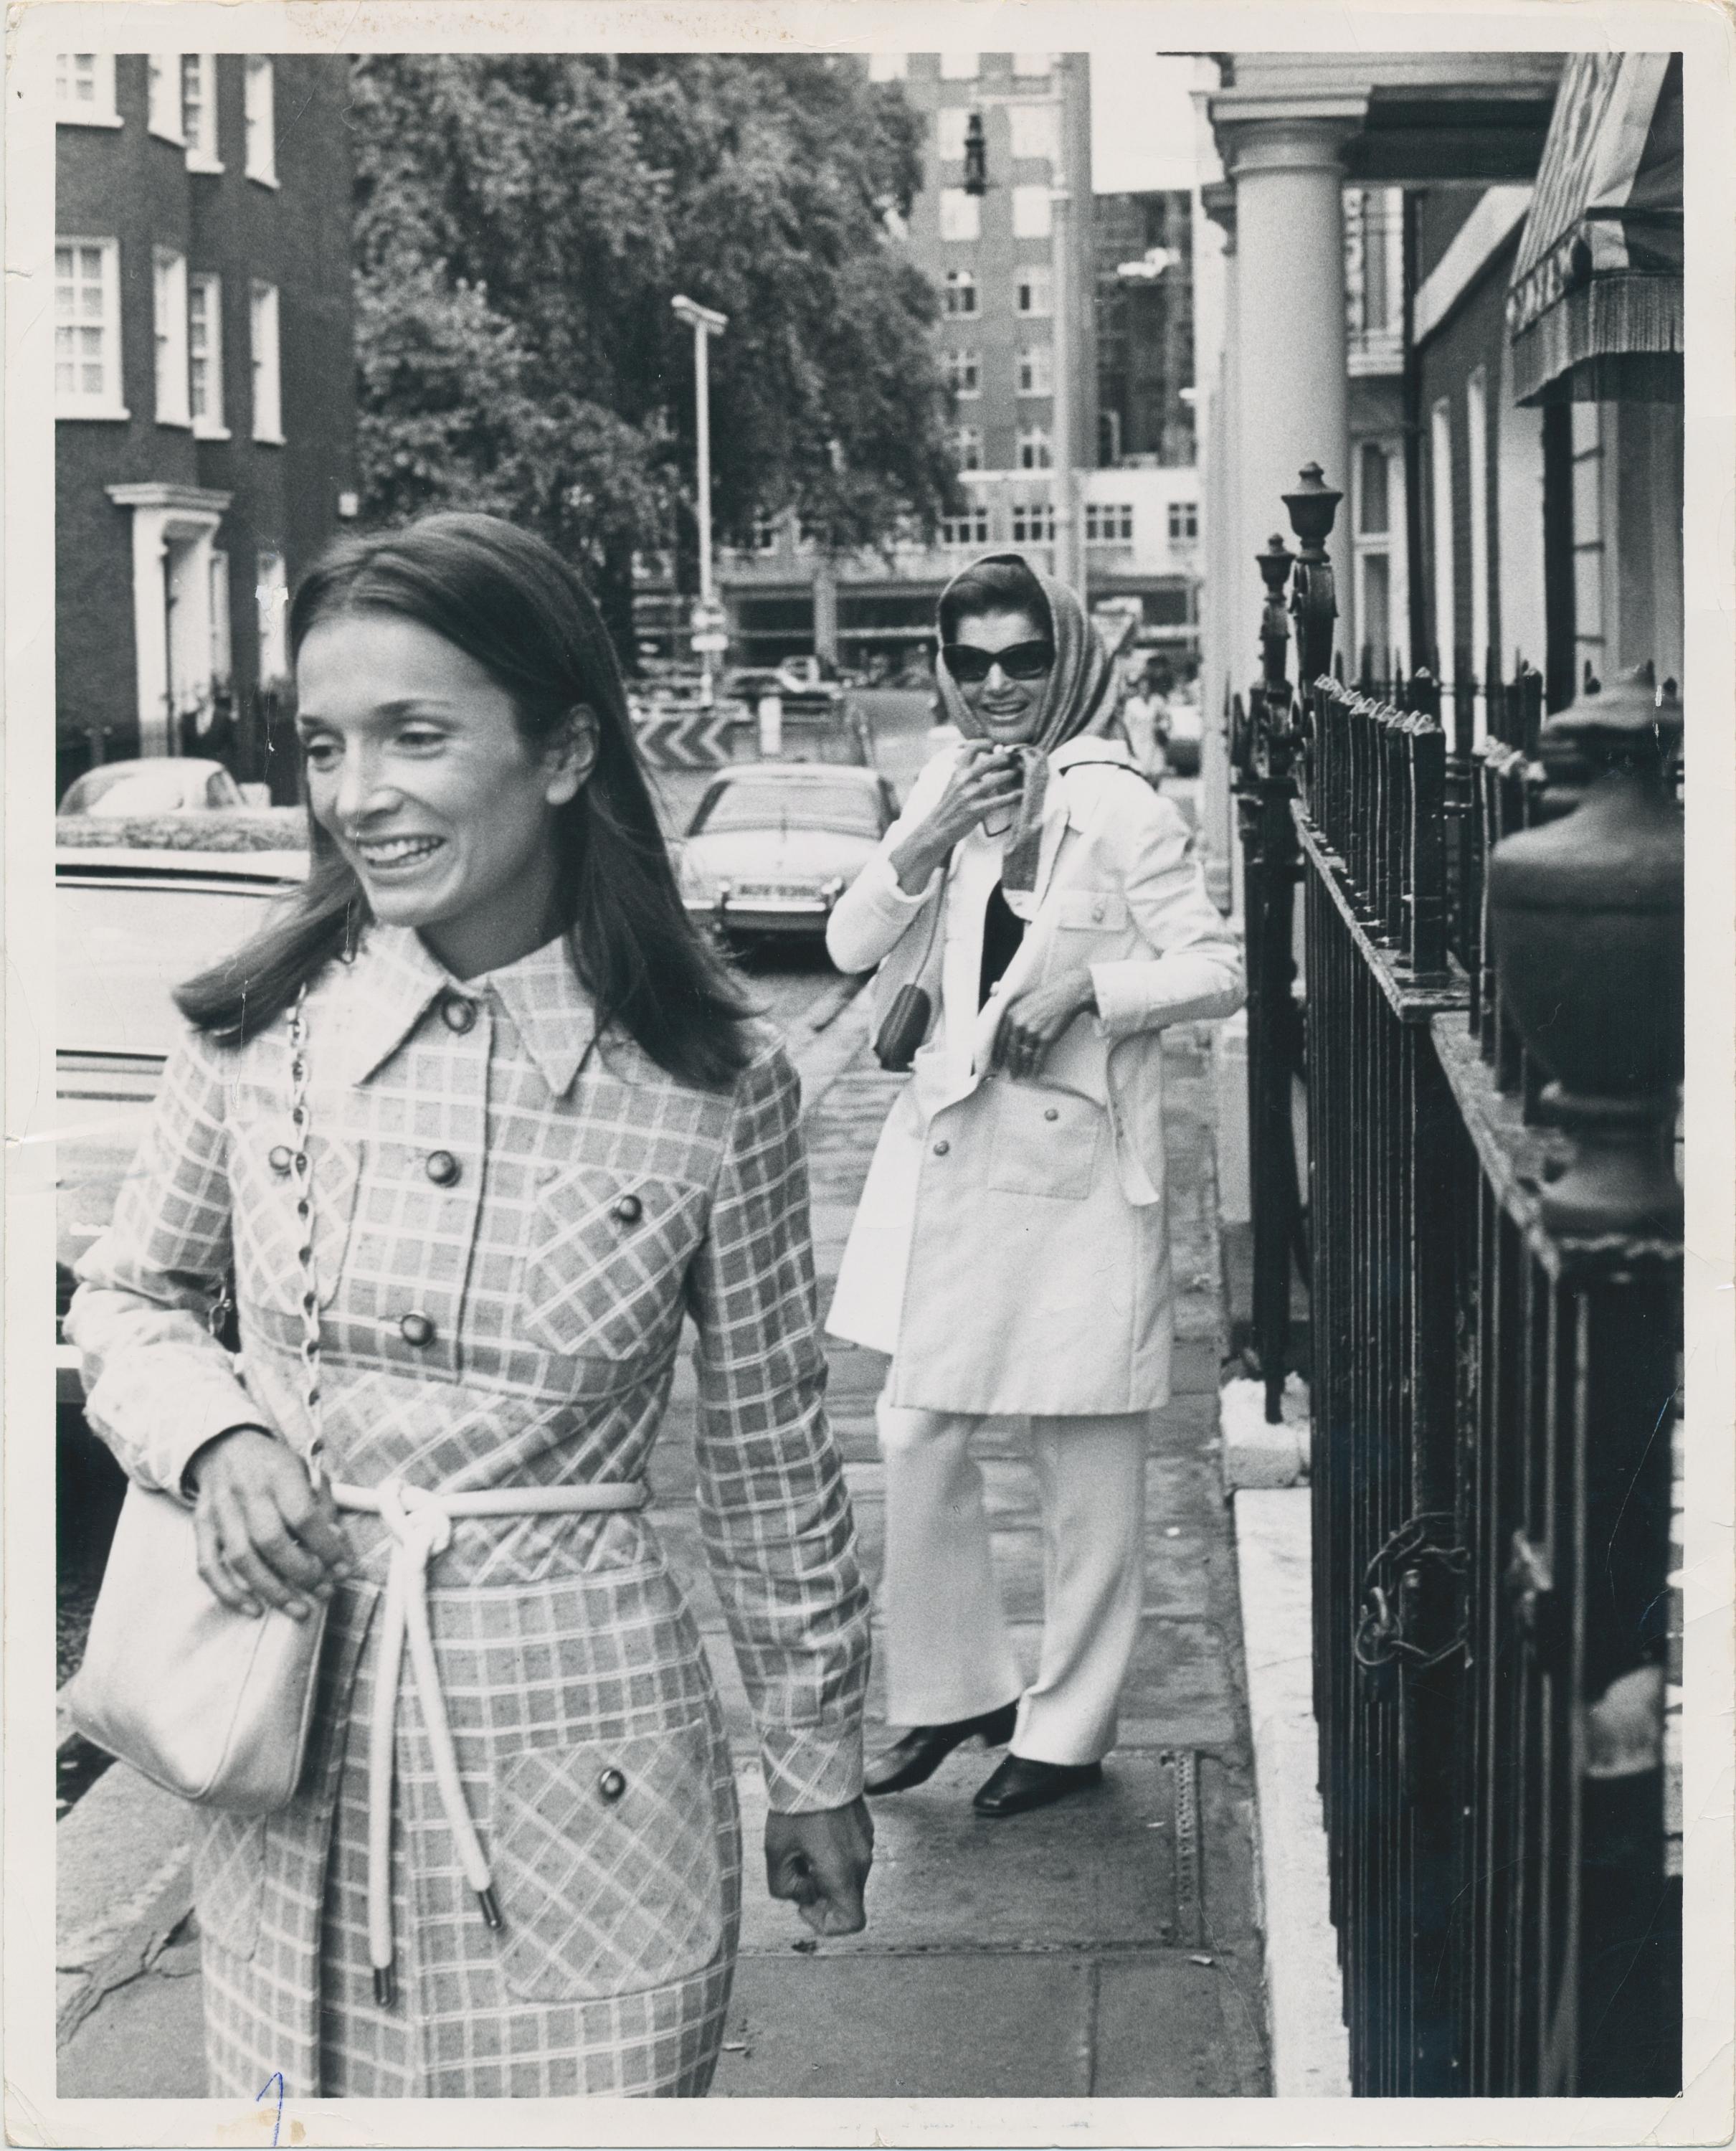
780 888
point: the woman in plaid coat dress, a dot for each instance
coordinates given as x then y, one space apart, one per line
538 1131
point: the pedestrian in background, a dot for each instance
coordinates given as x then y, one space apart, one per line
1138 717
538 1129
1011 1251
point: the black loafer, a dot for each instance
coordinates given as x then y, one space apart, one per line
1021 1783
914 1759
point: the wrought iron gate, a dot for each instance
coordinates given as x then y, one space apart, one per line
1496 1268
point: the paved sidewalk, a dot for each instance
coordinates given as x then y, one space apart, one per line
1107 1947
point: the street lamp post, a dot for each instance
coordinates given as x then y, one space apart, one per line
705 324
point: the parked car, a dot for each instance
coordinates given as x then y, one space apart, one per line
159 784
772 846
130 926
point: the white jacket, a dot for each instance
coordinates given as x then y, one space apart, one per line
1011 1248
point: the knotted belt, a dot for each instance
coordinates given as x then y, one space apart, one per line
421 1523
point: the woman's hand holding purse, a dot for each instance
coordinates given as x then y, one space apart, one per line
265 1535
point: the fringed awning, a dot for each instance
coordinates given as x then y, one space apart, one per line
1595 309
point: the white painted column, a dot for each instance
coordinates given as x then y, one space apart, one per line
1290 355
1225 632
150 630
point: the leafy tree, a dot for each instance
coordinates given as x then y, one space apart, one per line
522 224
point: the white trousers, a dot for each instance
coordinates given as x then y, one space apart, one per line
948 1651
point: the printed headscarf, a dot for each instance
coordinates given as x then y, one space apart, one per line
1078 698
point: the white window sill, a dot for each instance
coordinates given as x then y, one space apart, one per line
179 141
265 180
204 431
177 425
102 414
87 119
198 164
270 441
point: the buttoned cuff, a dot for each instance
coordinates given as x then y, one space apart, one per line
808 1770
1131 998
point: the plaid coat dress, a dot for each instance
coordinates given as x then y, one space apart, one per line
550 1214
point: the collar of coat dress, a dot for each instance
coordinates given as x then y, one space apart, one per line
394 980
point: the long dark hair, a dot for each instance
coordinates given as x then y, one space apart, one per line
508 600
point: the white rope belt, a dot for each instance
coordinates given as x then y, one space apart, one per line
421 1523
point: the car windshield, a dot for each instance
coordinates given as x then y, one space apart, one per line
121 948
159 789
845 810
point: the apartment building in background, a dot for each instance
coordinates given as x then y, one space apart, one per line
205 392
1002 280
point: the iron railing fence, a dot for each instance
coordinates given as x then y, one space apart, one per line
1493 1038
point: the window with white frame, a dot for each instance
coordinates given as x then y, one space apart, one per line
888 67
765 535
1036 373
87 328
1034 449
1035 133
260 108
1108 523
271 595
199 110
1441 487
1378 478
960 214
1036 290
164 106
967 446
964 371
959 67
84 89
1030 212
223 664
971 528
204 354
1033 522
1184 521
960 291
1031 63
168 307
951 122
267 371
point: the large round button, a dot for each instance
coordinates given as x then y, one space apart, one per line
282 1157
941 1148
611 1785
1051 1112
416 1329
629 1210
457 1014
441 1167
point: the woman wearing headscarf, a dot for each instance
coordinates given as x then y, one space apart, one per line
1011 1251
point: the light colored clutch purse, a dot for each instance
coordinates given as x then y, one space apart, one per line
211 1705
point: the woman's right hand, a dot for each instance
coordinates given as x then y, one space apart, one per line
985 777
265 1537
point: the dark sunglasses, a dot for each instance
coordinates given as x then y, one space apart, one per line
971 667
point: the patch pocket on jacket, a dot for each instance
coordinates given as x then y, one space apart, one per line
609 1254
1045 1141
1095 910
228 1880
606 1861
263 1199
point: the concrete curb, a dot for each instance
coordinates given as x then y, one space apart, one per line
1310 2048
